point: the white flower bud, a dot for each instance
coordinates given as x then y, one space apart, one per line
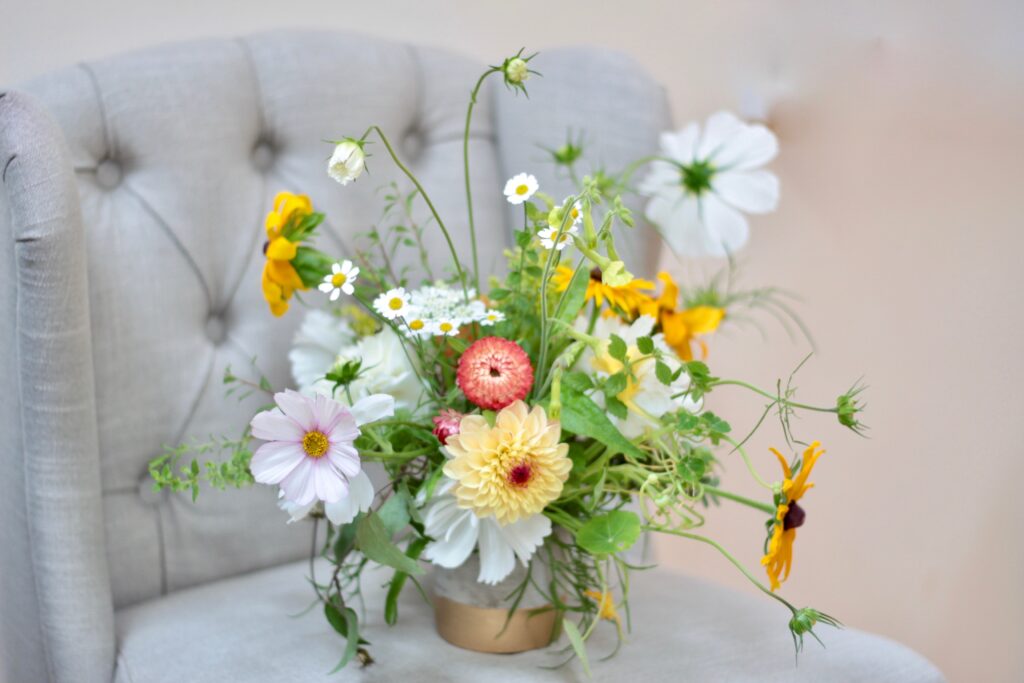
516 70
347 162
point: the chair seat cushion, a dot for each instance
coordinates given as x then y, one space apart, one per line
246 629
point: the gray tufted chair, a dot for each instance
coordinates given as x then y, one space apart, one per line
131 211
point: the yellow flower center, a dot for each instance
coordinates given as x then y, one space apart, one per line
575 213
445 327
339 279
396 303
416 325
522 189
315 444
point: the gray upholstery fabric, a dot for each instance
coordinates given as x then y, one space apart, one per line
683 630
131 209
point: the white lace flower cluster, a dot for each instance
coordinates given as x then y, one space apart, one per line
434 310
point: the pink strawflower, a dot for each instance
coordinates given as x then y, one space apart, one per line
309 449
446 424
494 372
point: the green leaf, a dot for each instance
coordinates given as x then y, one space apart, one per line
580 381
613 532
615 385
374 541
617 348
345 541
346 623
460 345
582 416
687 422
394 513
398 582
574 297
645 345
663 372
577 643
523 238
616 407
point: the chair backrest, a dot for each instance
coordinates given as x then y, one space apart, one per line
134 192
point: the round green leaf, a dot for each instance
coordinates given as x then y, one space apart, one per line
610 533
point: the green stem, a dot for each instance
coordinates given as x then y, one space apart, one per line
735 497
566 215
774 397
746 460
465 165
423 193
736 563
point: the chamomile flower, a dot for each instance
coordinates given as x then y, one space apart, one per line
343 276
549 236
492 317
416 325
520 188
393 303
446 328
557 215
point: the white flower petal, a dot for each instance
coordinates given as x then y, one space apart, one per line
726 228
273 425
373 408
681 145
679 222
316 346
718 130
525 535
273 462
497 559
300 485
452 550
325 287
752 146
296 407
359 499
750 191
331 485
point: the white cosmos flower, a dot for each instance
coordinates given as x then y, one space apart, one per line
549 235
316 345
492 317
520 188
347 161
393 303
698 203
324 340
457 531
343 276
645 397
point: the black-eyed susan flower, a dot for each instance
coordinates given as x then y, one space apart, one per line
682 327
625 300
789 516
284 233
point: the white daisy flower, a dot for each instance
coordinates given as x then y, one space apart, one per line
697 203
347 161
445 328
492 317
457 531
341 279
393 303
520 188
416 325
549 235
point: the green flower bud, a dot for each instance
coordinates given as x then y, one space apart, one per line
516 70
848 407
803 622
616 275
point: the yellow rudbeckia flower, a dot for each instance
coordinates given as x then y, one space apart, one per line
788 515
280 279
626 299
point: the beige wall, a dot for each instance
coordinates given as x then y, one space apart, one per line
902 139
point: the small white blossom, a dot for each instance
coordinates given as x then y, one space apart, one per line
492 317
520 188
445 328
416 324
347 162
549 235
393 303
343 276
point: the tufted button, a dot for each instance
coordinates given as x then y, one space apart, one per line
146 493
216 329
262 155
412 144
108 174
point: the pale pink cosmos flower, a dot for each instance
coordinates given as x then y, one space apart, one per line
309 447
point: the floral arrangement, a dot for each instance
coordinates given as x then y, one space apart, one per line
551 415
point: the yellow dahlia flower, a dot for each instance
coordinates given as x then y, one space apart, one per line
511 470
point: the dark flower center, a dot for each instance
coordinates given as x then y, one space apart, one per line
794 517
519 475
495 372
595 274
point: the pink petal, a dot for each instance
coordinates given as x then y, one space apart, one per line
343 430
273 425
275 460
297 407
331 485
299 486
345 458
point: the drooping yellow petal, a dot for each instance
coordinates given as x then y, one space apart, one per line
702 319
785 464
281 249
284 274
799 486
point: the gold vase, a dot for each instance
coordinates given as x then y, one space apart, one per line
473 615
